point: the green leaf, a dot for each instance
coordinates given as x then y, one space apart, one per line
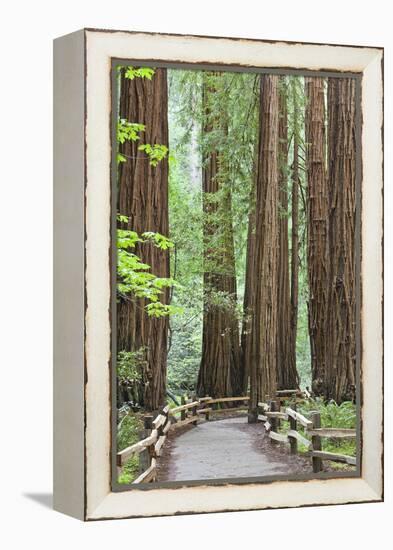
159 240
156 152
128 131
134 276
141 72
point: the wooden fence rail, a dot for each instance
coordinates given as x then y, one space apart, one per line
158 428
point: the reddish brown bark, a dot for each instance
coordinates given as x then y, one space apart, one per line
249 296
219 373
317 214
287 377
143 196
263 376
295 229
340 334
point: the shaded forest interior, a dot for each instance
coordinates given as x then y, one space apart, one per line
236 231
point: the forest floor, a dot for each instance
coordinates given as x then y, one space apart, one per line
224 449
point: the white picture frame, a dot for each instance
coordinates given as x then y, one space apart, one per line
82 337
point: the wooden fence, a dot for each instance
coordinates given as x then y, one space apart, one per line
272 413
156 430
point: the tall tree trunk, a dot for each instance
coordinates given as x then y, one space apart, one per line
263 376
220 362
340 334
287 377
249 279
143 196
317 211
249 296
295 224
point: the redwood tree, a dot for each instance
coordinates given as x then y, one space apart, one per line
220 361
143 197
249 296
340 334
263 376
295 177
287 377
317 211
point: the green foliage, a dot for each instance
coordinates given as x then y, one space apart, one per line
218 299
128 131
127 239
130 365
139 72
235 104
334 416
156 152
158 240
157 309
184 356
130 471
137 281
135 277
303 357
235 140
128 431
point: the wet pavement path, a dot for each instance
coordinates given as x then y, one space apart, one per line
224 449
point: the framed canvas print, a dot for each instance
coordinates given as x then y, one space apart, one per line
218 274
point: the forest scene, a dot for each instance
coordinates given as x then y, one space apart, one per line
236 259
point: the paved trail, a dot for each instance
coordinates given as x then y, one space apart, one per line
226 448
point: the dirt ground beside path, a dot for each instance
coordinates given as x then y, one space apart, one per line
223 449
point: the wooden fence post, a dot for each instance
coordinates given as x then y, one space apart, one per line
293 426
145 456
274 407
315 416
183 414
194 413
160 429
253 415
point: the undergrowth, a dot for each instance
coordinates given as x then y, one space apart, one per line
332 416
128 433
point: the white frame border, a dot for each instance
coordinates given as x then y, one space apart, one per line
100 48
